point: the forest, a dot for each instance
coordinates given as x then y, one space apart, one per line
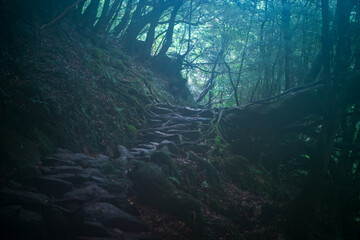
180 119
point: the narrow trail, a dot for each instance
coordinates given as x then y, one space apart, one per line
75 196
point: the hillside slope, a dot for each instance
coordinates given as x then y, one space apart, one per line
62 88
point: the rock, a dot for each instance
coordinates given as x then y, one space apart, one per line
121 153
23 198
187 208
27 171
161 159
75 179
73 157
94 172
93 229
173 148
99 179
56 225
85 194
151 184
210 171
53 161
18 223
147 146
45 170
238 169
24 173
62 150
66 169
51 186
110 216
115 187
102 157
99 163
140 152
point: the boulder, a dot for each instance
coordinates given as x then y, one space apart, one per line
122 154
151 184
110 216
173 148
66 169
86 193
51 186
163 160
23 198
22 174
19 224
94 172
53 161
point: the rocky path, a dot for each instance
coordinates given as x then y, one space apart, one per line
146 192
75 196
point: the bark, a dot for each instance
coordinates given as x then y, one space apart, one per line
343 45
243 54
90 13
113 15
124 20
150 36
302 210
233 85
139 21
170 30
325 42
265 56
209 83
101 24
286 16
314 70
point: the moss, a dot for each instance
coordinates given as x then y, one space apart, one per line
237 168
215 206
210 171
217 141
112 168
119 65
98 54
163 159
188 209
189 174
16 150
46 144
95 67
131 131
151 185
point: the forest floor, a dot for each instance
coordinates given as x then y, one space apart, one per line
172 185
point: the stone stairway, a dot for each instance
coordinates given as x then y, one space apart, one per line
75 196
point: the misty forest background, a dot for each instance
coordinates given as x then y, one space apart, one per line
270 88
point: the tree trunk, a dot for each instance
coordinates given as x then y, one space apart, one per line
286 16
170 30
209 83
124 20
139 21
303 208
343 45
243 54
101 24
113 15
89 16
150 36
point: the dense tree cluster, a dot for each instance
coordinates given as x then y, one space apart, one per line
235 52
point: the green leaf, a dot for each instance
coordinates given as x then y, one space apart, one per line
175 180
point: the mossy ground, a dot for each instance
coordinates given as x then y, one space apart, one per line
76 91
